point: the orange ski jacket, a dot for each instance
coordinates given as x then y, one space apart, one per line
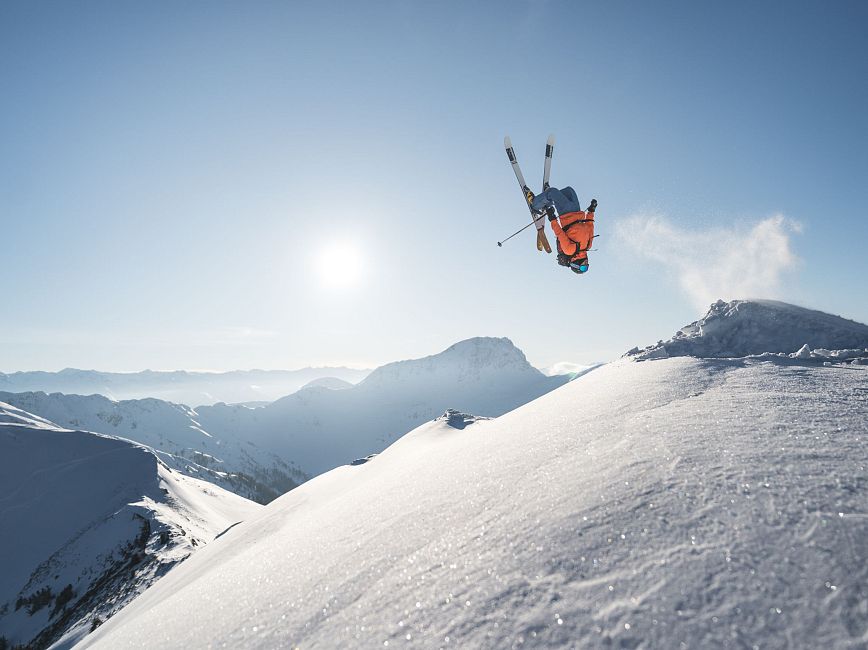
575 233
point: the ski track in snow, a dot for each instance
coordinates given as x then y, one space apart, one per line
682 502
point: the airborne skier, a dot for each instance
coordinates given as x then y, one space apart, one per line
573 227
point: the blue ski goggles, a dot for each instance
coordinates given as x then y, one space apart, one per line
579 268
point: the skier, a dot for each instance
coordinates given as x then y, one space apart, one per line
573 227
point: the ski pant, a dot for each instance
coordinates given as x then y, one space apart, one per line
564 200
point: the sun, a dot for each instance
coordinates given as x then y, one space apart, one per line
340 265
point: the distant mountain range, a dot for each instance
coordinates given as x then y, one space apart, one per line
263 452
180 386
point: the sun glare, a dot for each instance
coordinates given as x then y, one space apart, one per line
340 266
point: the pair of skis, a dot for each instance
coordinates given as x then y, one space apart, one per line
542 242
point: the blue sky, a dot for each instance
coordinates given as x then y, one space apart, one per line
274 185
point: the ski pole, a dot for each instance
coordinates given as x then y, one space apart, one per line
500 243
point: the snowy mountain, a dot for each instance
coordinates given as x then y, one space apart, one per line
682 502
88 522
182 387
748 327
319 429
175 433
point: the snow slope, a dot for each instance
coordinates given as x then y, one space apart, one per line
747 327
684 502
319 429
239 466
180 386
99 514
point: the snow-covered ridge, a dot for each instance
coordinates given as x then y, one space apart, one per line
88 521
174 431
742 328
12 415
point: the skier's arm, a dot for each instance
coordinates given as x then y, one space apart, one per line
568 246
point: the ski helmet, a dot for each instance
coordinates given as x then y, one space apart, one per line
580 266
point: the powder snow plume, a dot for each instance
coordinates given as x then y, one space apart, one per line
729 262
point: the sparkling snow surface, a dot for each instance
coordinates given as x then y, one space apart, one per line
708 503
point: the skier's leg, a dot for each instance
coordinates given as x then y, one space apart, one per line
563 202
551 196
541 201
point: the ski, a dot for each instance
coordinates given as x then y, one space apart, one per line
510 153
550 147
542 242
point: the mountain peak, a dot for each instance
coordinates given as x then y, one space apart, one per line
741 328
329 383
487 349
463 360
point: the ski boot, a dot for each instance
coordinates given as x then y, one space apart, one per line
529 197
